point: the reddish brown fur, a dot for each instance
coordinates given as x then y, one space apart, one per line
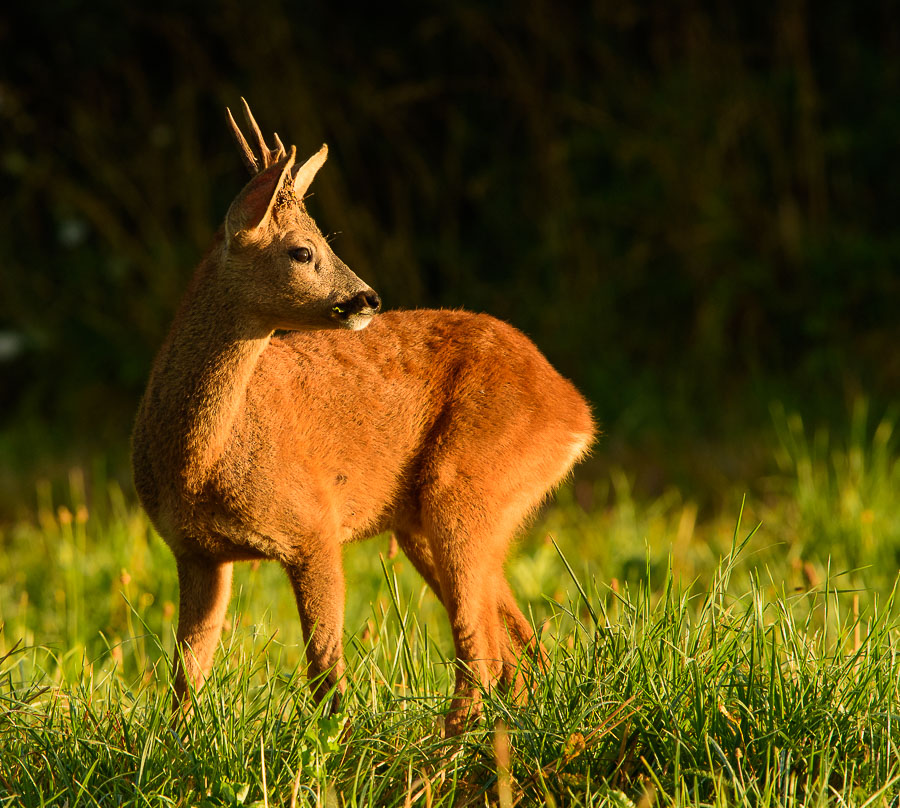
445 426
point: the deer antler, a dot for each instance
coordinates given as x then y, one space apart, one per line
266 156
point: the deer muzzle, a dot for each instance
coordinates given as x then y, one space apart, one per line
356 312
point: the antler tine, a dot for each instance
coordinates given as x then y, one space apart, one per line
282 151
267 156
246 152
265 152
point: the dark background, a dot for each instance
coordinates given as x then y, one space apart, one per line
691 207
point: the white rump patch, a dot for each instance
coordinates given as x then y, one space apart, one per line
578 448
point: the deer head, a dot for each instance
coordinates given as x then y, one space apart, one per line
278 266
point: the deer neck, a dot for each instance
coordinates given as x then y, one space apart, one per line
198 387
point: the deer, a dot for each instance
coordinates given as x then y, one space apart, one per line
285 416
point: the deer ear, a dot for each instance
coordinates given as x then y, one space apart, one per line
303 175
251 210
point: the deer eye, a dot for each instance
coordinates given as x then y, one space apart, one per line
302 255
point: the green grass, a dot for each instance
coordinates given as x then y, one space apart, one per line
694 660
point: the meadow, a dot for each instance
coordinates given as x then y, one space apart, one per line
742 653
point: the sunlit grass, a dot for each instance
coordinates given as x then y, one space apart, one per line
691 660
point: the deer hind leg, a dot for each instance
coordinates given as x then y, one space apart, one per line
519 645
493 639
472 640
514 643
318 584
204 588
416 549
462 577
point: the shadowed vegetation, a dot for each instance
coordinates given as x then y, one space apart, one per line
687 207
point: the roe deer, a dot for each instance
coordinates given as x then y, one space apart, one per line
447 427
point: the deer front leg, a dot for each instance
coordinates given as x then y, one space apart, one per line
204 588
318 583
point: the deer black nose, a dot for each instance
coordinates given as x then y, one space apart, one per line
367 301
372 299
364 300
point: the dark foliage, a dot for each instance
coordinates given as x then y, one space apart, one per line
690 207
